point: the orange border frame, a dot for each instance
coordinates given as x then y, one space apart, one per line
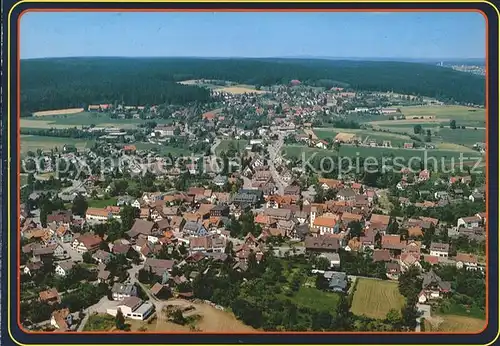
18 303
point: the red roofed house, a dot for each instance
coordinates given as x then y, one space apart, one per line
129 148
86 243
466 260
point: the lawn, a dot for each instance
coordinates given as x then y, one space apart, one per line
32 143
449 112
99 322
102 203
378 153
239 144
315 299
467 137
454 323
163 149
81 119
375 298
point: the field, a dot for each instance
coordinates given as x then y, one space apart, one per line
237 143
58 112
240 89
102 203
68 120
163 149
316 299
99 322
374 298
212 320
365 135
378 153
32 143
454 323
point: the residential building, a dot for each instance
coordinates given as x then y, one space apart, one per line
86 243
122 291
439 249
133 308
433 287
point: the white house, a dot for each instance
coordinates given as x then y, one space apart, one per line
63 268
439 249
469 222
466 260
133 308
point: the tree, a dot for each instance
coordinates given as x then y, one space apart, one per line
393 317
177 317
321 282
120 320
87 258
356 229
128 214
322 263
453 124
417 129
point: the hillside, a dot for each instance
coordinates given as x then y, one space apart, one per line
72 82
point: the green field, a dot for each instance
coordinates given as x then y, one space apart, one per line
81 119
100 322
225 143
365 135
467 137
375 298
32 143
102 203
316 299
364 152
163 149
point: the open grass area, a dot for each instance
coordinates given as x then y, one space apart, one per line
467 137
163 149
239 144
379 153
449 112
81 119
58 112
32 143
102 203
241 89
315 299
375 298
454 323
99 322
365 135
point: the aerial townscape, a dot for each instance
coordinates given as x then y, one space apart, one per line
251 195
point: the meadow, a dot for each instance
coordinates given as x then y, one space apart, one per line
80 119
32 143
225 144
375 298
454 323
353 152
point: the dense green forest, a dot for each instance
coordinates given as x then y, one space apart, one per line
72 82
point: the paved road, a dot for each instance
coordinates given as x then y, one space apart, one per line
275 152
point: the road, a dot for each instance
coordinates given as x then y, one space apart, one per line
275 152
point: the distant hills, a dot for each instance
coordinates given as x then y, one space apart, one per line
54 83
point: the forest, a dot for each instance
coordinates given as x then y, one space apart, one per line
57 83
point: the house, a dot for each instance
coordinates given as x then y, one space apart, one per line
322 244
346 195
133 308
98 214
61 320
380 221
424 175
469 261
325 224
63 268
380 255
337 281
433 287
102 256
392 270
393 242
476 197
407 260
327 184
160 291
64 234
50 296
439 249
469 222
104 276
122 291
86 243
143 227
159 267
332 257
121 249
219 210
60 217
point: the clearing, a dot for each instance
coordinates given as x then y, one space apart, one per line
375 298
32 143
58 112
211 320
241 89
237 144
313 298
454 323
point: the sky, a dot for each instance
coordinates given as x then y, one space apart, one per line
416 35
